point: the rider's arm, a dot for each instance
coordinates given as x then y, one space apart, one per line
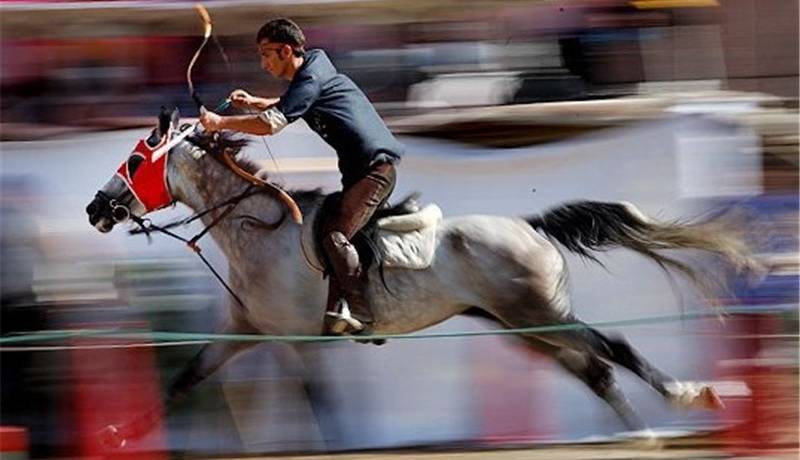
241 99
251 124
261 103
269 121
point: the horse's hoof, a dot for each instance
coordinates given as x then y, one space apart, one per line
111 436
644 440
709 399
689 395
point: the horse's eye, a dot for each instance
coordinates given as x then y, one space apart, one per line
133 163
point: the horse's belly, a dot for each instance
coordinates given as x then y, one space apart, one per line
414 300
288 311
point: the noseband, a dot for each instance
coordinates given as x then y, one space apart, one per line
117 211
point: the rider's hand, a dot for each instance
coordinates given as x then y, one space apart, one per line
241 99
210 121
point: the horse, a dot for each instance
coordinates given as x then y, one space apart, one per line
507 270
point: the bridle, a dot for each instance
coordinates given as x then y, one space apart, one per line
146 226
119 212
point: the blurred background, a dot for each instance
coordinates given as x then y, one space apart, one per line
506 107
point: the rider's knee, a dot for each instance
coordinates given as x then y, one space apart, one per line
336 242
337 237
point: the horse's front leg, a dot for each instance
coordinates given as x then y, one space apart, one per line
210 358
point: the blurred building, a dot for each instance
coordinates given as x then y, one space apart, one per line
95 63
508 96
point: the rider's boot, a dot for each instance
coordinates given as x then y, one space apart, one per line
347 311
339 319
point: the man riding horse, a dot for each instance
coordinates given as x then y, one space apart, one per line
505 269
336 109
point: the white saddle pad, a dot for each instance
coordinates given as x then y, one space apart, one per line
409 241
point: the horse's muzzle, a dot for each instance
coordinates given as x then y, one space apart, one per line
93 210
104 212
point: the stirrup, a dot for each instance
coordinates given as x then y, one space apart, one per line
343 321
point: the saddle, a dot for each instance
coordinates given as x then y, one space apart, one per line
397 236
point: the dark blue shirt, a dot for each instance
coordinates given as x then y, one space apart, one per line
336 109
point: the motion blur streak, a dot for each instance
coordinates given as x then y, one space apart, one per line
684 107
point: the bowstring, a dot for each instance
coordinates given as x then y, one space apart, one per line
278 173
269 151
229 66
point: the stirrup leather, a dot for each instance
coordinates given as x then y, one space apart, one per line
344 322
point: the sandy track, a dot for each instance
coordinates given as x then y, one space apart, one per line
604 452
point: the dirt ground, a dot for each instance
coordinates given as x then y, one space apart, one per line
602 452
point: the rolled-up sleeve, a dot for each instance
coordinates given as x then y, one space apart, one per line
274 118
299 97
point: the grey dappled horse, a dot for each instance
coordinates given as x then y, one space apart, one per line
505 268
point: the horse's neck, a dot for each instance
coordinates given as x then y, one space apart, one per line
204 183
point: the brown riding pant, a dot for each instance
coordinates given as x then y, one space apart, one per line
360 200
357 205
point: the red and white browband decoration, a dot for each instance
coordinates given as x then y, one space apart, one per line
149 180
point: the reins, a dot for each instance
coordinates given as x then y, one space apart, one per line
146 226
250 191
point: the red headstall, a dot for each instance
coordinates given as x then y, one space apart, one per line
148 181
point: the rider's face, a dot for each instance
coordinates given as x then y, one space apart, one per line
275 58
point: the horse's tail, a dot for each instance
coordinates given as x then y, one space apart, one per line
584 226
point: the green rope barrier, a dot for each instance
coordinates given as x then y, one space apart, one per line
46 336
156 336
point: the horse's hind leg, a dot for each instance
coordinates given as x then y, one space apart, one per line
599 376
616 350
619 351
585 364
686 394
552 308
596 374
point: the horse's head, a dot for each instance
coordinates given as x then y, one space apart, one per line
140 184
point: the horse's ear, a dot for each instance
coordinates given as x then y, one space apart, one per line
175 118
164 122
167 119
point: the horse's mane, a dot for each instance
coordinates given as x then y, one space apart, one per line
215 144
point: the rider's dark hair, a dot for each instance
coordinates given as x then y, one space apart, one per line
286 31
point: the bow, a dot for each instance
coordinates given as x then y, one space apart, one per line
272 190
203 12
